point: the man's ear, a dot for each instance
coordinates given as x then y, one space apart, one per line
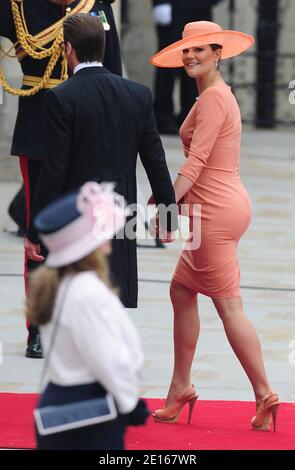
68 48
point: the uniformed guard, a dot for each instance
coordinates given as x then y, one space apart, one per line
35 29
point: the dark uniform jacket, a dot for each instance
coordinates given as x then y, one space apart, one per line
39 15
95 125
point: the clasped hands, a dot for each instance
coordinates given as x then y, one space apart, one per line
155 228
33 250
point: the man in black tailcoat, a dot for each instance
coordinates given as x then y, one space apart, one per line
95 125
43 20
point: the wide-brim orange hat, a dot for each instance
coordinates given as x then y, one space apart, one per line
199 33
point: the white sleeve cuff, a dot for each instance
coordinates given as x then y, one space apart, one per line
163 14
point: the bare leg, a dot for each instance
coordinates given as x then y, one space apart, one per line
245 343
186 333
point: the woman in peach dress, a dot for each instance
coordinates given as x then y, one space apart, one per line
209 183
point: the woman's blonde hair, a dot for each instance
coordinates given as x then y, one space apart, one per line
44 283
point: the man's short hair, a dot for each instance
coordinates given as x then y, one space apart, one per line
86 35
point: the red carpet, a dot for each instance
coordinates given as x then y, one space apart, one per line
217 425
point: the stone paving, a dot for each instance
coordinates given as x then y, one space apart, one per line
267 260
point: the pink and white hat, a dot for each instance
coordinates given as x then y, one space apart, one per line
80 222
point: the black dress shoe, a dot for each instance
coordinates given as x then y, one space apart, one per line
34 349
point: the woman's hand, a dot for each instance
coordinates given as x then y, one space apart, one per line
157 231
167 237
154 226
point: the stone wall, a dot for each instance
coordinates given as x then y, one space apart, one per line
9 166
286 68
139 43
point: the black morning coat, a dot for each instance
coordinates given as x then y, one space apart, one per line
39 15
95 125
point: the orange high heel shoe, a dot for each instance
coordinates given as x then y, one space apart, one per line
171 413
266 413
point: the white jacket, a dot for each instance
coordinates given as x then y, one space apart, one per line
96 341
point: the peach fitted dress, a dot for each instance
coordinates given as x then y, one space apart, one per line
211 136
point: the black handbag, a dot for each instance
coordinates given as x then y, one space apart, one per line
66 417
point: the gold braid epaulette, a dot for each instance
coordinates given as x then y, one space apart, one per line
33 46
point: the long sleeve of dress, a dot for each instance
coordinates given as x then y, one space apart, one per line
153 159
210 114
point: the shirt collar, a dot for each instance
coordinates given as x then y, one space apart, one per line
83 65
